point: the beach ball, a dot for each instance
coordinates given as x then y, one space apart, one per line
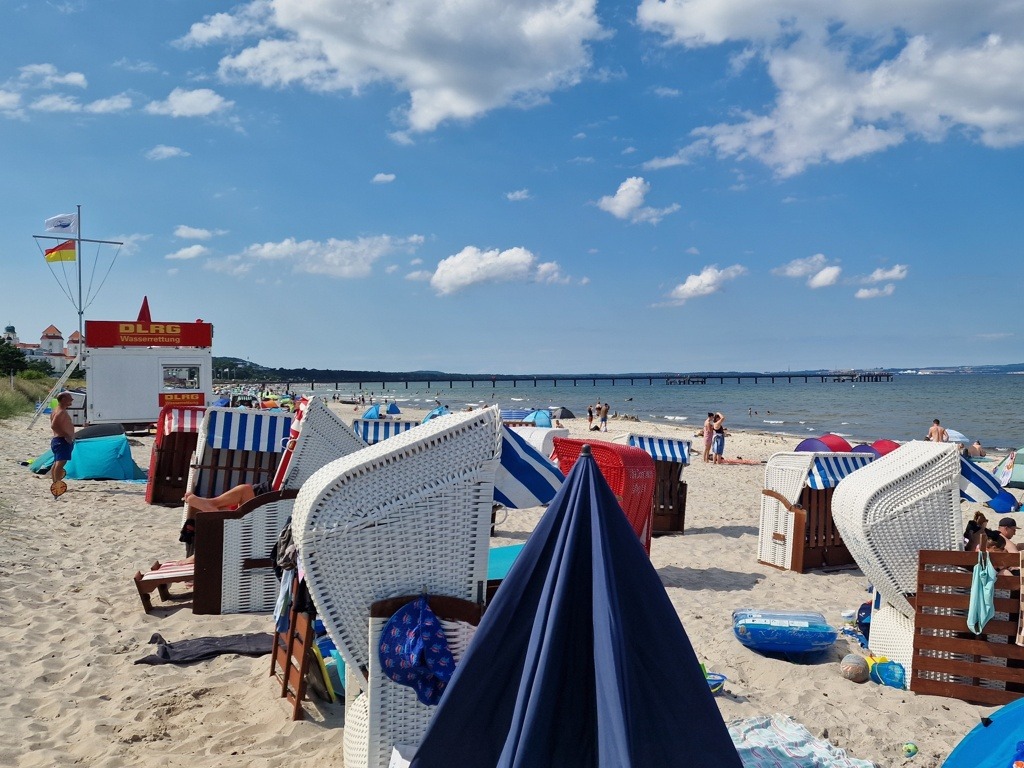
909 749
854 668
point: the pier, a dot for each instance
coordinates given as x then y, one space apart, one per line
837 377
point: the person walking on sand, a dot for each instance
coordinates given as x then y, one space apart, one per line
937 433
604 417
62 443
590 417
709 432
718 440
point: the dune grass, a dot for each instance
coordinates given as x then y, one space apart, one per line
22 397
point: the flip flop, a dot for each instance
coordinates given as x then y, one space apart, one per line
58 488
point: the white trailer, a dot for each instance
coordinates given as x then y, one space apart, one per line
129 385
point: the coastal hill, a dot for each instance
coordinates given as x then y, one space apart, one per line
245 370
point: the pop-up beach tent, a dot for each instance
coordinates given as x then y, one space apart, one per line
581 659
96 458
373 412
393 409
1010 472
541 418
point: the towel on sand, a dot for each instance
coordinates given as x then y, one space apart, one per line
781 742
201 648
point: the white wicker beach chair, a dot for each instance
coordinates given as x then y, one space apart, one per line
233 570
791 475
409 515
888 511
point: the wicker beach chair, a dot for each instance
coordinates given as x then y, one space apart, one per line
407 516
629 472
804 538
372 431
887 512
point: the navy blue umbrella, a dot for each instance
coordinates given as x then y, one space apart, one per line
580 660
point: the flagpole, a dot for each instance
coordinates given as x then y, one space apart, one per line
78 260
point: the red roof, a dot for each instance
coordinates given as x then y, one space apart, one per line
51 332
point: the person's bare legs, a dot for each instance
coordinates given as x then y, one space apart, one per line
228 500
57 471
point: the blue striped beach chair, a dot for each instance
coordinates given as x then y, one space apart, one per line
372 431
670 458
806 538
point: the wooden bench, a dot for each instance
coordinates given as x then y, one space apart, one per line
158 577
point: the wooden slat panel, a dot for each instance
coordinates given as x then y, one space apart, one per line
975 647
941 600
959 624
973 694
965 668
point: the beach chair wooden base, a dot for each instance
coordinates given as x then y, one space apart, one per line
290 661
669 507
158 577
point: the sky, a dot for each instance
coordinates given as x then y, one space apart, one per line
566 186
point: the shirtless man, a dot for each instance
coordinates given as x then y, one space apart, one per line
63 441
1008 527
938 434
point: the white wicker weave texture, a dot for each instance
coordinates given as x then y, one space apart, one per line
323 437
251 590
784 473
407 515
896 506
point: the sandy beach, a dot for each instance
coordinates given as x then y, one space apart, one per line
74 626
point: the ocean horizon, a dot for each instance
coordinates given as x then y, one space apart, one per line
981 406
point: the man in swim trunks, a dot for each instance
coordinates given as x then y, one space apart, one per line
63 441
718 439
938 433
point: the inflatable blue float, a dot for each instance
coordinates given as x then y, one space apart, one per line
783 631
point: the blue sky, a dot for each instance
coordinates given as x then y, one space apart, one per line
541 186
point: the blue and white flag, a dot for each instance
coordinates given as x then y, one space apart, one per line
64 224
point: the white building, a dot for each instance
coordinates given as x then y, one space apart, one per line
50 347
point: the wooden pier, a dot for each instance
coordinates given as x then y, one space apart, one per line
840 377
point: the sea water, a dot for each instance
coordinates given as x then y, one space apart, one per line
985 407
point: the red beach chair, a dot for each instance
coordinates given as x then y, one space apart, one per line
629 472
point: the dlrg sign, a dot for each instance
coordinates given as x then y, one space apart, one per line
110 333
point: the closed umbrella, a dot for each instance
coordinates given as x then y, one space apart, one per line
580 660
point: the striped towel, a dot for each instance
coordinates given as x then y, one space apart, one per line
781 742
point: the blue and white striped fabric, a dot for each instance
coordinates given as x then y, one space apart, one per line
977 484
662 448
247 430
514 414
827 471
375 430
524 478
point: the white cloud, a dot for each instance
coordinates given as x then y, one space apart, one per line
854 77
826 277
455 60
186 232
710 280
173 271
144 67
817 270
519 194
10 103
120 103
334 258
420 275
200 102
130 244
55 102
48 76
895 272
667 93
391 269
256 18
628 203
383 178
165 152
874 293
189 252
693 251
684 156
472 266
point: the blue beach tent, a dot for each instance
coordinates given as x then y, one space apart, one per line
373 412
539 418
993 742
580 660
96 458
441 410
393 409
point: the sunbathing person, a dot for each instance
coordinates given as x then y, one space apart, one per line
230 499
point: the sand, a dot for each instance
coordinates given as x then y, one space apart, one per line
73 627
